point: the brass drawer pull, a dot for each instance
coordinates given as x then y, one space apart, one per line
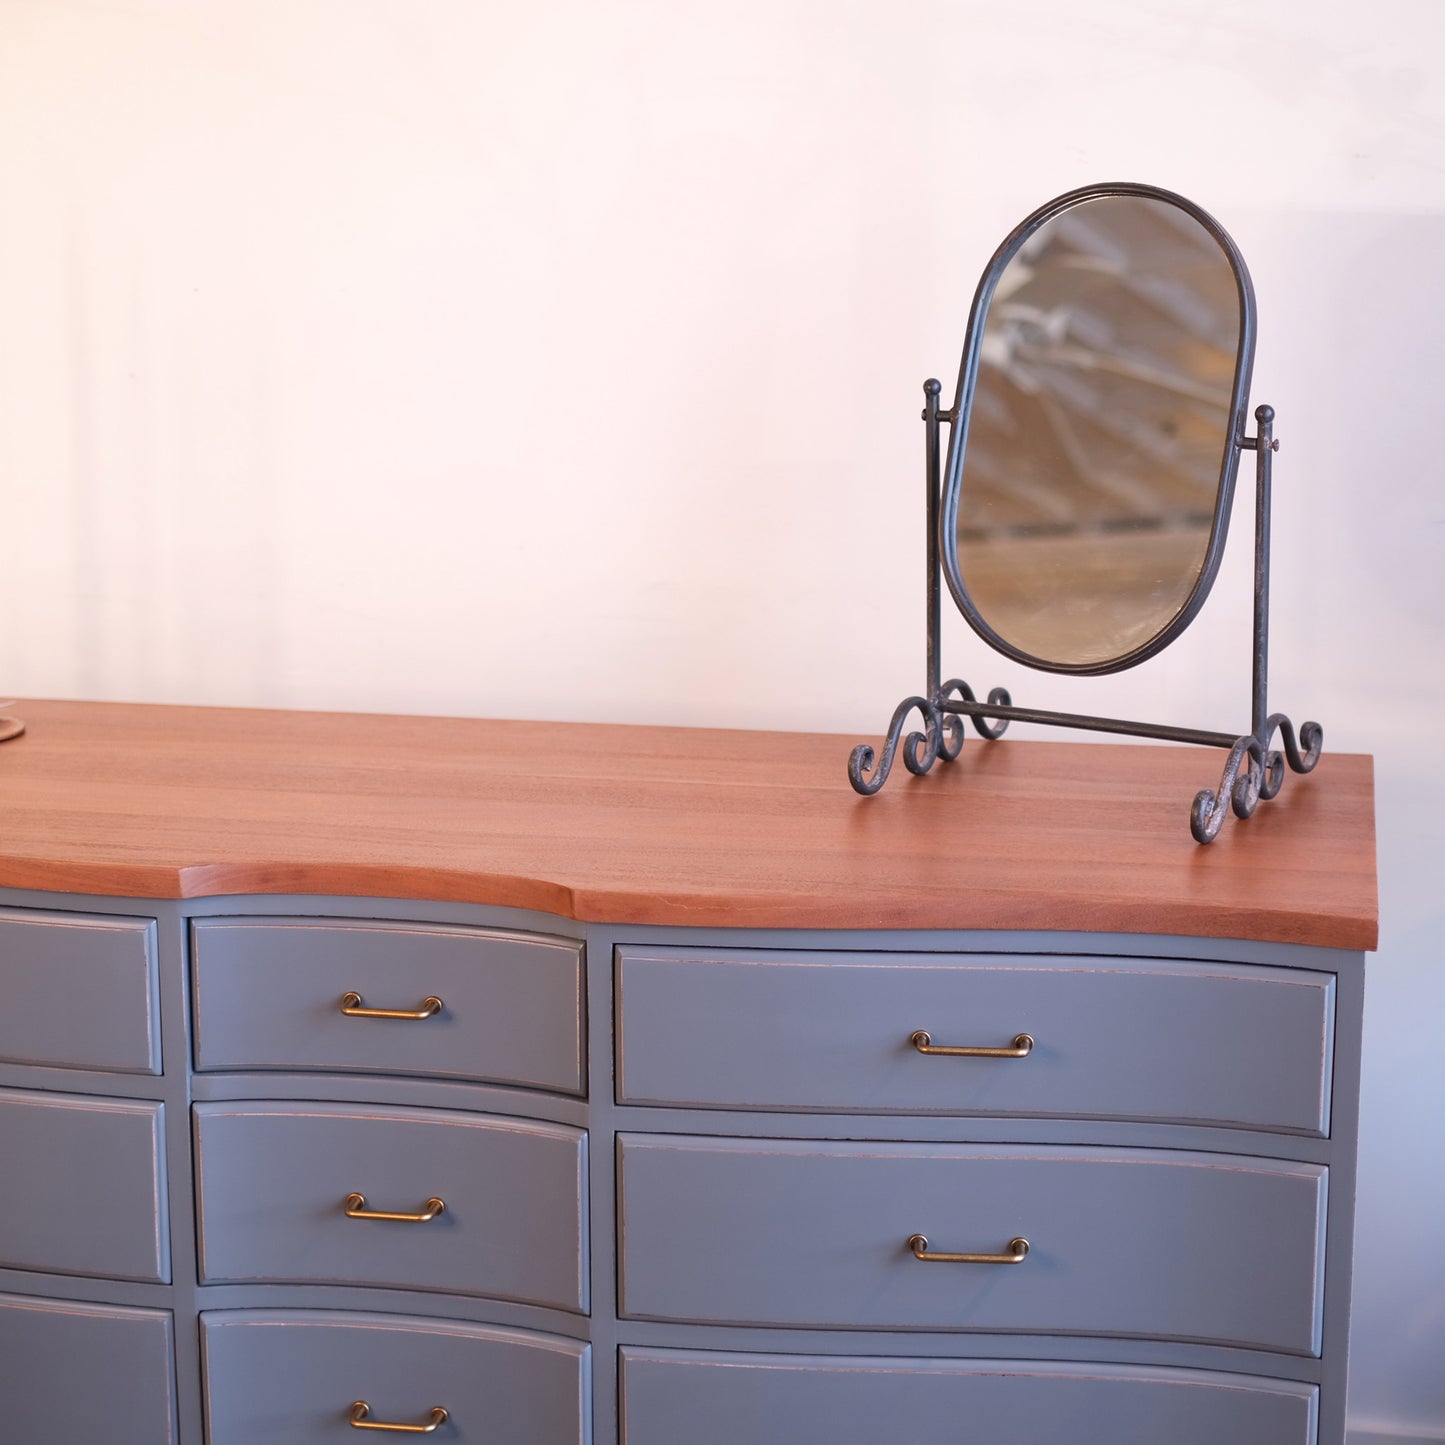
1021 1047
361 1420
1017 1251
355 1207
351 1007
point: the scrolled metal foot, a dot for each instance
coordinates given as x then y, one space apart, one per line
941 737
868 771
1273 778
1205 817
860 761
1236 789
1253 772
1311 735
950 741
1248 789
956 690
920 750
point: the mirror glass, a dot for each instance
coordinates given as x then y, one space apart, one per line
1100 431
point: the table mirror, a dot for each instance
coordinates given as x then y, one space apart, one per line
1080 514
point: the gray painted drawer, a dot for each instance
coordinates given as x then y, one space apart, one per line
1113 1038
79 991
82 1186
273 1178
671 1396
290 1377
1143 1242
269 991
73 1373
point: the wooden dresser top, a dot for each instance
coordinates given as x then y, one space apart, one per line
674 825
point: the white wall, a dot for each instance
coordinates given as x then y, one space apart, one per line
563 359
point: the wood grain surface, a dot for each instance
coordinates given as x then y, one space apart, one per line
715 828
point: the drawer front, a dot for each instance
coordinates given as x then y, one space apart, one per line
80 992
1112 1038
78 1372
290 1377
1143 1242
721 1399
273 1180
269 992
82 1186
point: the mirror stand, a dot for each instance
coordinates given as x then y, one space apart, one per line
1253 769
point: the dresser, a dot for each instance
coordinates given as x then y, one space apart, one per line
539 1084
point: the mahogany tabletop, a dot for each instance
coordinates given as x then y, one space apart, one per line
652 825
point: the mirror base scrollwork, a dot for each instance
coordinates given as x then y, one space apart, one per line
1254 770
941 738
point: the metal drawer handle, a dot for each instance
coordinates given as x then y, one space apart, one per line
1017 1251
361 1420
351 1007
355 1207
1021 1047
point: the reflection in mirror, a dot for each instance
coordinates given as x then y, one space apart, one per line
1099 430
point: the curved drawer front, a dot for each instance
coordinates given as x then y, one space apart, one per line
82 1186
290 1377
79 991
74 1372
1112 1038
269 995
1142 1242
274 1180
725 1399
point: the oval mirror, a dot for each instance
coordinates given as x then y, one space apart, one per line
1095 429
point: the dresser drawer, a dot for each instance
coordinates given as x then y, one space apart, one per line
1146 1039
273 1180
82 1186
79 991
269 995
71 1373
291 1377
725 1399
1141 1242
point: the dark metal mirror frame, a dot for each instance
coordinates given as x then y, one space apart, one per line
958 418
1254 769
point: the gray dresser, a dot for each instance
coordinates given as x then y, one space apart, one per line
733 1155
